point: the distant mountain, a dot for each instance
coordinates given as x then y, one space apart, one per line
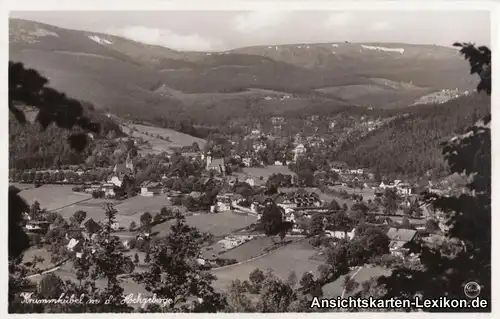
142 81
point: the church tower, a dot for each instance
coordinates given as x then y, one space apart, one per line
129 163
209 160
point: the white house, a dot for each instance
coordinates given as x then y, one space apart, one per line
298 151
404 188
72 244
115 226
108 189
340 234
115 180
151 189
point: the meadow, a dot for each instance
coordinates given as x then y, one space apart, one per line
157 145
53 197
220 224
282 261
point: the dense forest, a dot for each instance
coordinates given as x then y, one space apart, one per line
30 146
411 145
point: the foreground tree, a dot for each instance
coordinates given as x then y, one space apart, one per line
78 217
175 272
109 261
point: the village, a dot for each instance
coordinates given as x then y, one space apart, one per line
227 199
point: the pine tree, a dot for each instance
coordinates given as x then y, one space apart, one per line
175 273
108 261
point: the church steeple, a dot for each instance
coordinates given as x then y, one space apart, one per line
129 163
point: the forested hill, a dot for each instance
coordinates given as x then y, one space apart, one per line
410 145
32 147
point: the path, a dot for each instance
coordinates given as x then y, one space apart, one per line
74 203
351 278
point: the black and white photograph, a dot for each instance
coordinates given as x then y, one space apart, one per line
253 159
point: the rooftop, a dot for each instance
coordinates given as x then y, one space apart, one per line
404 235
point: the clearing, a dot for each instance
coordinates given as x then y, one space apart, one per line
293 257
266 172
250 249
52 197
176 139
220 224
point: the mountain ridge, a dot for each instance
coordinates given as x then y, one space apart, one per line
121 75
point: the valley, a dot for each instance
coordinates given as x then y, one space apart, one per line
253 179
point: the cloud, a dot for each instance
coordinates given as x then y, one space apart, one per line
380 26
258 20
339 19
167 38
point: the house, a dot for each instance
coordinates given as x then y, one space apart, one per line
120 170
404 188
341 234
115 226
256 181
75 245
386 184
247 161
306 200
286 203
216 164
223 202
109 189
399 238
151 188
37 226
90 225
298 151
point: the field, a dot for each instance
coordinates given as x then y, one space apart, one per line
334 289
293 257
177 139
128 210
52 197
249 250
220 224
142 204
267 171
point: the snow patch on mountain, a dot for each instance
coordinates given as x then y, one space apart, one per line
99 40
384 49
39 32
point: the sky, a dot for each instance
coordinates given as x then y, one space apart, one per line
225 30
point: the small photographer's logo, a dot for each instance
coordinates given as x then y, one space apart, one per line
472 289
